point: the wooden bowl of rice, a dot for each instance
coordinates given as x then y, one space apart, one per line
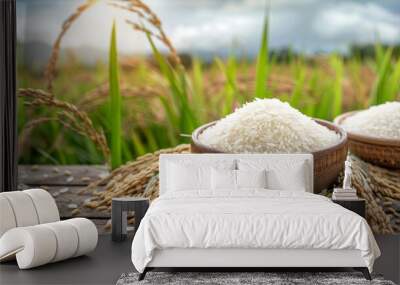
328 162
378 151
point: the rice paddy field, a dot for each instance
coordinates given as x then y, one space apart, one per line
116 110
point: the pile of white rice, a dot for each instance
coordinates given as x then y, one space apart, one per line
268 126
382 121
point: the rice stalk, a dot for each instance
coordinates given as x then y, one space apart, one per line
391 90
140 148
182 113
230 88
69 116
51 65
24 135
198 89
151 138
298 91
383 65
262 65
115 103
337 66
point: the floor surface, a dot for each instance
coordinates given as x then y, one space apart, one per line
110 259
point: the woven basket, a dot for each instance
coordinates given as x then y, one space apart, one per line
328 162
378 151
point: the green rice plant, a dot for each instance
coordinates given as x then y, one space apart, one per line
313 89
330 91
336 91
298 90
150 139
324 102
386 85
262 65
115 103
230 88
198 89
354 70
181 115
383 66
392 87
140 148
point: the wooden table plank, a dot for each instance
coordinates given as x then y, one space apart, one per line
78 175
68 199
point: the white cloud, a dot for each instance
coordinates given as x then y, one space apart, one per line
214 34
213 25
358 22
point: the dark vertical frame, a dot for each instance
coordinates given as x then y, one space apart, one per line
8 100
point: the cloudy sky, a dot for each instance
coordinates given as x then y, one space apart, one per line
215 26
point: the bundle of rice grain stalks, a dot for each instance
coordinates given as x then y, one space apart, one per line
380 188
136 178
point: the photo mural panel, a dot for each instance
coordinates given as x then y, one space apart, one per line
117 83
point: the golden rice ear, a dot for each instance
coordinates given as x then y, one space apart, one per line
69 116
146 15
379 187
51 65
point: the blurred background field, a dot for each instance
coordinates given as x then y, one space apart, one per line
158 111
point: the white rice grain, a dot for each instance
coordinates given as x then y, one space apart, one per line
381 121
268 126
